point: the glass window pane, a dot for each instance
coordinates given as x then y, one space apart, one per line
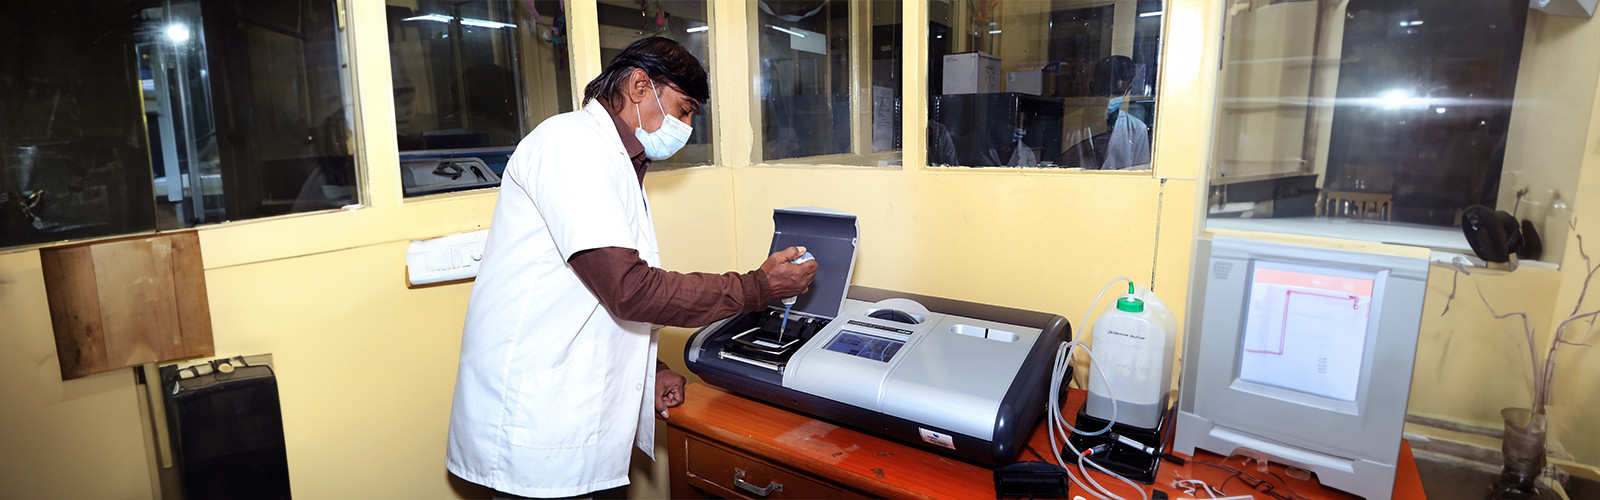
277 78
1043 83
470 79
685 21
73 157
137 115
1384 121
813 106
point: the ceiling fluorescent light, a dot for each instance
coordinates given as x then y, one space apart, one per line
438 18
1150 14
791 32
698 29
485 24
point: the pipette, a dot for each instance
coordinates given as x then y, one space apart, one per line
789 302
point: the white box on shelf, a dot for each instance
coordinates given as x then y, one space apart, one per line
972 73
1025 82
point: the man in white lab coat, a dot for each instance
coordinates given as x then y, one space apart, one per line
559 378
1123 142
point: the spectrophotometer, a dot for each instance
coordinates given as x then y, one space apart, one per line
964 379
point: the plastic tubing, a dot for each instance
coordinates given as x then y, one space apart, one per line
1058 423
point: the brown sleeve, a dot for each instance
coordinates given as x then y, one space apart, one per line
634 291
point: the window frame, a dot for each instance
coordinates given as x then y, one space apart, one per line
529 107
919 125
860 92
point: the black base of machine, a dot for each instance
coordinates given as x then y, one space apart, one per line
1121 458
1031 480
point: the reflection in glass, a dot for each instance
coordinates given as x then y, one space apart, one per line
73 160
1350 118
683 21
470 79
812 104
1043 83
277 73
136 115
177 103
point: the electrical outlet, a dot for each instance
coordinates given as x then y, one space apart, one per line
446 258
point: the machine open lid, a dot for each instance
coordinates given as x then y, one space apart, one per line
831 237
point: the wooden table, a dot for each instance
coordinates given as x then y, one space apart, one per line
729 446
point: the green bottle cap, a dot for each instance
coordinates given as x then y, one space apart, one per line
1130 303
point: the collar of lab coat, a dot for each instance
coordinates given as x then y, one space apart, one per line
602 118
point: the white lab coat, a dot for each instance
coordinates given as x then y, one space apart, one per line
1021 156
1128 145
553 391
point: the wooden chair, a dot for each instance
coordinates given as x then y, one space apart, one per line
1355 205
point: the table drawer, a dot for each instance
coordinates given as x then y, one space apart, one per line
748 477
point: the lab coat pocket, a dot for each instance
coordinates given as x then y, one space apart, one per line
556 410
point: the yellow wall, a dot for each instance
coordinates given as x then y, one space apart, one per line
366 365
1550 119
74 439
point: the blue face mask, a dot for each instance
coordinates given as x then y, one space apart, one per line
668 139
1113 104
1018 134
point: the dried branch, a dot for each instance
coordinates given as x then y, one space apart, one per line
1533 356
1586 278
1542 388
1454 277
1563 324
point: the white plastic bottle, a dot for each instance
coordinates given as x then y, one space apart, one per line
1555 229
1132 343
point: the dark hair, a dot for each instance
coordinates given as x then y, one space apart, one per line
1110 72
664 60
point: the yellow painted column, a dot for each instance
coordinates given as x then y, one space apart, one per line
733 92
1576 373
1181 151
583 40
373 87
1125 17
914 86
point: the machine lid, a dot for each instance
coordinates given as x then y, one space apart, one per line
831 237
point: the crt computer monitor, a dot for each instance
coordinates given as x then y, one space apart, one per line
1301 355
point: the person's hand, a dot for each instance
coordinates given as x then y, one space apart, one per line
787 280
669 391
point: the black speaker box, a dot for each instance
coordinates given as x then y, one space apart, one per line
227 430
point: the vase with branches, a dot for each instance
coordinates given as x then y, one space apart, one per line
1523 441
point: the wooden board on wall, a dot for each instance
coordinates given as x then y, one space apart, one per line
127 302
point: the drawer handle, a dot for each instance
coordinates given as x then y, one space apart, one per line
738 480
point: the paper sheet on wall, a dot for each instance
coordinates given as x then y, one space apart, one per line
806 40
883 114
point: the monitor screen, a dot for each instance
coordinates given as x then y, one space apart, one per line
1306 328
1302 352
